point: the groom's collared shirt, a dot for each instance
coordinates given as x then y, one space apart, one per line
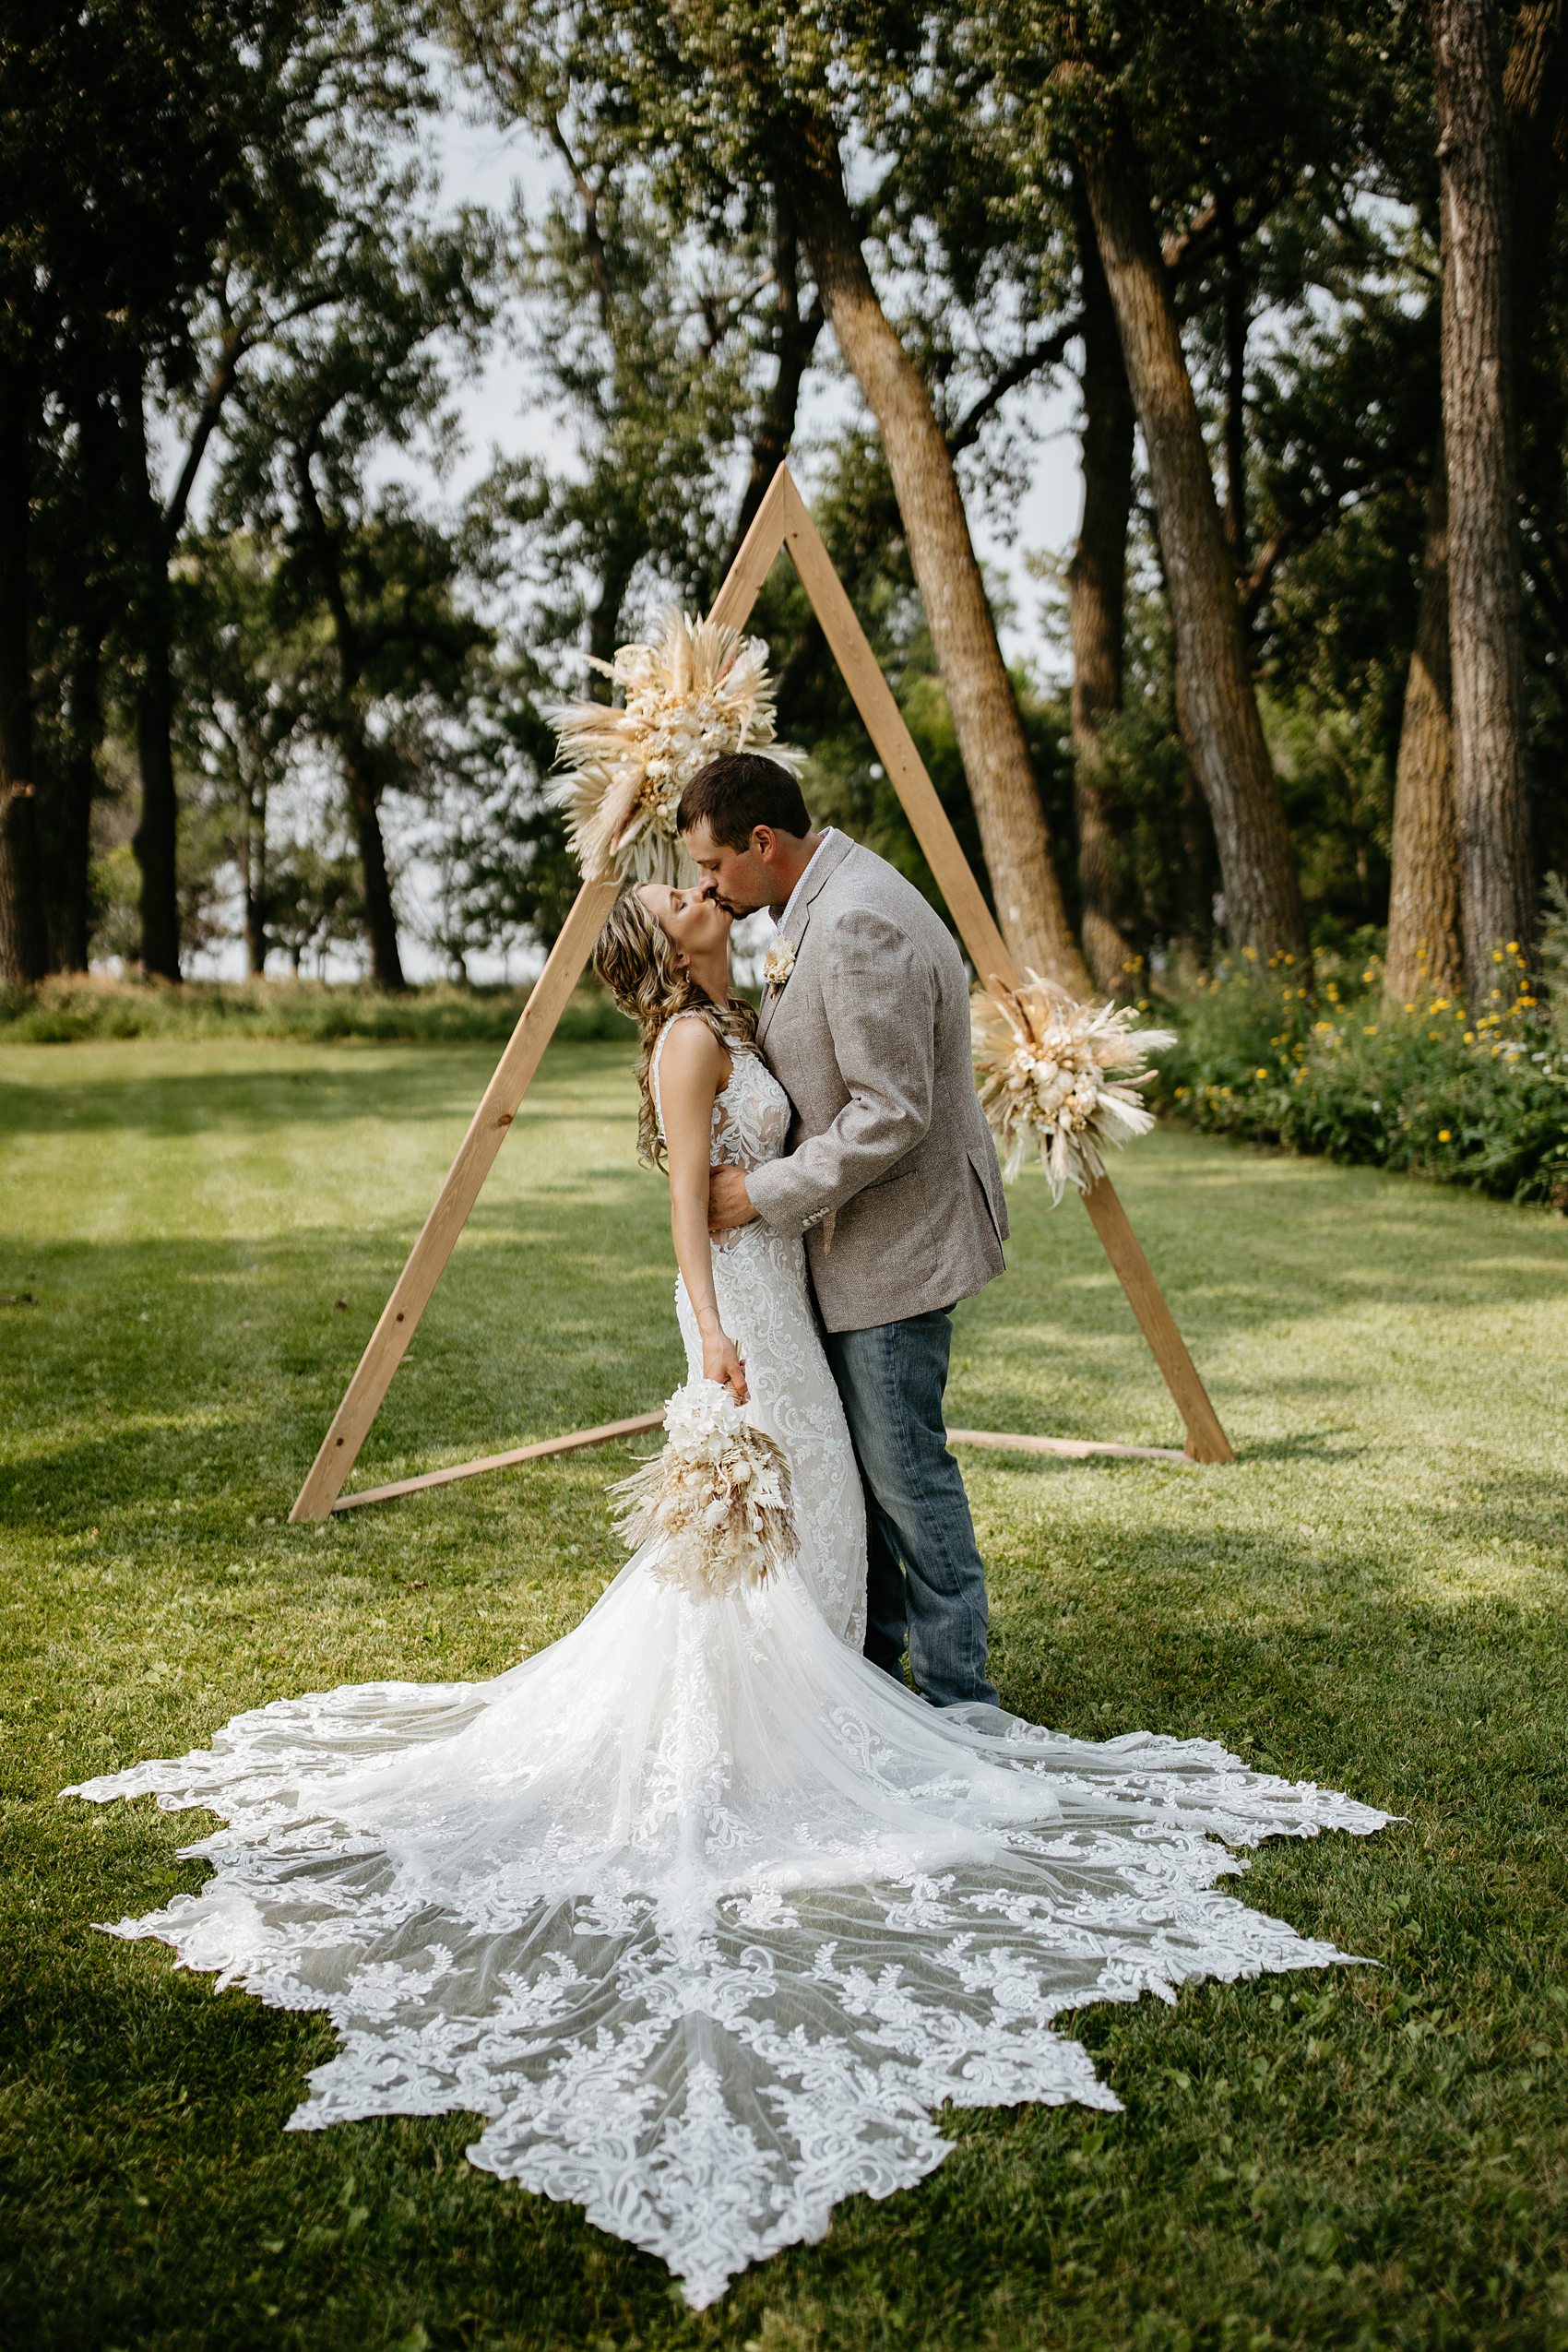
829 833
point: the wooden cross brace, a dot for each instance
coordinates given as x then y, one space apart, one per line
782 520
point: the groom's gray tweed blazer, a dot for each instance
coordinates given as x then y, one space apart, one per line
891 1173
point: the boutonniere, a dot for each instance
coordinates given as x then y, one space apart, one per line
778 963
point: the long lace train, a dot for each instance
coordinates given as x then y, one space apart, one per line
703 1914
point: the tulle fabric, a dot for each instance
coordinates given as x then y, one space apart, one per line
702 1915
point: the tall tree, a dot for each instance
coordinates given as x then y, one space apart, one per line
152 633
1216 696
121 139
244 680
378 587
1189 126
79 600
336 97
1425 941
23 946
657 347
1008 810
1486 636
1096 590
740 112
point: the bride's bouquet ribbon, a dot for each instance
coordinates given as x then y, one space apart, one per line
717 1497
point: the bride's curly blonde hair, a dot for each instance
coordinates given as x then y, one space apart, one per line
641 966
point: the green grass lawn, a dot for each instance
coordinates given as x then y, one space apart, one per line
1374 1597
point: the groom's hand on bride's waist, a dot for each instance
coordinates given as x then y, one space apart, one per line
729 1202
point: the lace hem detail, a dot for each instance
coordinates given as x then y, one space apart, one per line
703 1914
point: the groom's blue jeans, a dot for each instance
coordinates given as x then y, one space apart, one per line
924 1580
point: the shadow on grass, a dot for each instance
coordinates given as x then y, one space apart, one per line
1306 1446
146 1361
407 1083
230 1355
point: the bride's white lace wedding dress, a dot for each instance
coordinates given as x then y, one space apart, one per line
701 1913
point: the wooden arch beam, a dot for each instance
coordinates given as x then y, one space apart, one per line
781 520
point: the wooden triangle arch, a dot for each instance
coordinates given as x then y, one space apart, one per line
782 520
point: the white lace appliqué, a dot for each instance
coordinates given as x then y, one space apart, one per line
705 1915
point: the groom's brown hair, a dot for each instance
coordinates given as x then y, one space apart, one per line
738 791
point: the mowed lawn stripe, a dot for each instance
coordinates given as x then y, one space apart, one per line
1373 1597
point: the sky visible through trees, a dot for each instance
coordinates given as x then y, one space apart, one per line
1184 416
503 406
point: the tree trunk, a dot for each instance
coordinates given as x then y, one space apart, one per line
361 772
95 601
1534 102
1013 835
1425 948
23 945
258 890
72 895
1197 886
250 857
1424 890
1236 322
1096 590
604 621
1216 703
360 755
1497 890
794 339
155 840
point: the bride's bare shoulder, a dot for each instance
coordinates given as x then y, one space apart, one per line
690 1059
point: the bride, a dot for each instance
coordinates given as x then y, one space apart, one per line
702 1912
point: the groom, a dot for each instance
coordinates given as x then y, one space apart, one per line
892 1178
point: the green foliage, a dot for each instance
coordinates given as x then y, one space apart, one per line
1372 1597
1422 1087
225 238
181 183
66 1011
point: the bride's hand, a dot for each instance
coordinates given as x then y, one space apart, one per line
721 1361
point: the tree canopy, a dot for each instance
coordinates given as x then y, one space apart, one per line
266 631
